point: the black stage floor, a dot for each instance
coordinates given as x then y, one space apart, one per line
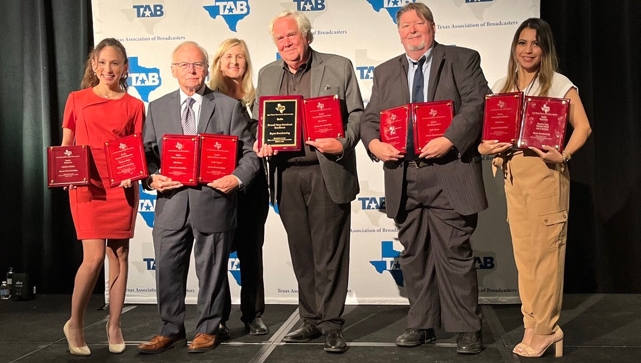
598 328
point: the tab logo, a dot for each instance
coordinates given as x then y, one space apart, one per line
233 266
149 11
147 205
372 203
143 79
396 3
365 72
390 6
232 11
310 5
484 263
389 262
232 7
150 263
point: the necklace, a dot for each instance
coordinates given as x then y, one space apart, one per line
528 88
107 95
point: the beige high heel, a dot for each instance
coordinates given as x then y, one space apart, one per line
527 337
84 350
557 341
114 348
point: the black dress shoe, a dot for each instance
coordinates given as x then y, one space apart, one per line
257 327
469 343
305 333
223 331
334 341
415 337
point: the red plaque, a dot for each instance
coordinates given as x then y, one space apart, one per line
544 122
217 156
126 159
502 116
179 158
393 126
323 117
68 165
431 120
279 122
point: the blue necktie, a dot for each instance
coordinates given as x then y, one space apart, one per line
417 96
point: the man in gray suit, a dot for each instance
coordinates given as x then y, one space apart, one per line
203 216
314 186
434 197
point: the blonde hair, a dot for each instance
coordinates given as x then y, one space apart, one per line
217 80
549 61
89 79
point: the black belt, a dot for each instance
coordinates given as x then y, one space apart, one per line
301 163
418 163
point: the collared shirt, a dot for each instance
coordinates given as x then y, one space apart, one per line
413 64
198 101
299 83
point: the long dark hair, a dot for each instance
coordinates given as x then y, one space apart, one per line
549 61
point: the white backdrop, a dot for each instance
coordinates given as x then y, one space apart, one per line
363 31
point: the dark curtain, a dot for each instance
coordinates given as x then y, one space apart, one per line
44 45
599 46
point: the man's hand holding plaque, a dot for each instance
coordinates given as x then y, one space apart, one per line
502 117
217 157
323 118
431 120
544 123
125 159
280 122
68 165
393 127
179 158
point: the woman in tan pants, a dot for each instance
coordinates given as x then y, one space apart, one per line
537 188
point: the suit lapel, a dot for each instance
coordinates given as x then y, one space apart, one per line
274 80
403 69
438 57
318 69
174 114
206 110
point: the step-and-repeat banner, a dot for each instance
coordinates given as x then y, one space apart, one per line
364 31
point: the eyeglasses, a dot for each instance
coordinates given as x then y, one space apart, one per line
185 65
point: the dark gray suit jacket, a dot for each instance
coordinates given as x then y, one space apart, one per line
456 75
331 75
211 211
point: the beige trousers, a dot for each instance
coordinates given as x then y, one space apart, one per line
537 207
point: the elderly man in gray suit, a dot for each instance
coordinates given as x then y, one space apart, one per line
203 216
316 184
434 197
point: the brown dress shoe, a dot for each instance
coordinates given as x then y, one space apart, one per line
159 344
202 342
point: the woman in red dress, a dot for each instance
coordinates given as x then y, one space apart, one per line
101 111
